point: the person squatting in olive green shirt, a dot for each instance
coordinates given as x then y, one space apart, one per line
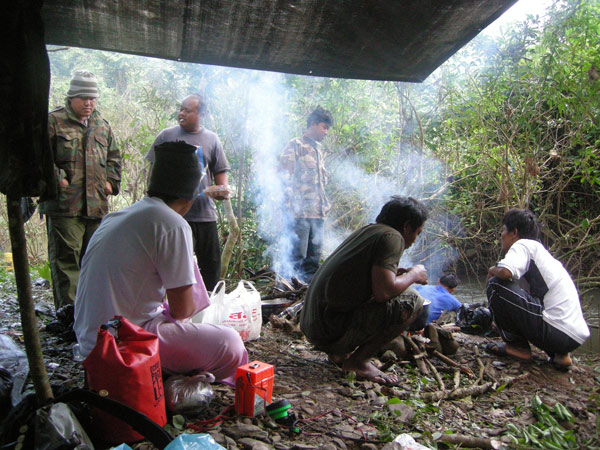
87 166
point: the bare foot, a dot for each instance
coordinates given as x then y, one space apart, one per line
367 371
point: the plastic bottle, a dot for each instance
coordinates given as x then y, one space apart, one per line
292 311
77 356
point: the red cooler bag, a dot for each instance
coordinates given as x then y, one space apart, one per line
126 367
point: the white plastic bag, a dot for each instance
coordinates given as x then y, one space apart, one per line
240 310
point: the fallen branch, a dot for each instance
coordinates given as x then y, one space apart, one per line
283 294
482 371
418 354
467 441
482 368
436 374
456 393
474 389
516 379
453 363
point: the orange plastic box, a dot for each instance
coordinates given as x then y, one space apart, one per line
253 388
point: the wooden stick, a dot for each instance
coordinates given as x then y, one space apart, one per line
418 355
482 368
453 363
232 239
282 294
456 393
436 374
482 371
456 378
467 441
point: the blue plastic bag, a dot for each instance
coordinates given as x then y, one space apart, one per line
201 441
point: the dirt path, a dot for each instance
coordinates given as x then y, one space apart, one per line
338 412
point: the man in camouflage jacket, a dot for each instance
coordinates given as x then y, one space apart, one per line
302 163
87 164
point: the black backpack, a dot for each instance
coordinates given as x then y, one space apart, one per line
19 426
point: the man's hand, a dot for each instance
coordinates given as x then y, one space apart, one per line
500 272
109 190
419 273
218 192
63 183
387 284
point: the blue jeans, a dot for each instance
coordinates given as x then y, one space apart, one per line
306 254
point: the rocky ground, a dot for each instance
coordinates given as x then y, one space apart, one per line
472 401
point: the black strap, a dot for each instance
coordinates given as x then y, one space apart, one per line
153 432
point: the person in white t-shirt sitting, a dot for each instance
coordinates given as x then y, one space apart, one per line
144 252
532 297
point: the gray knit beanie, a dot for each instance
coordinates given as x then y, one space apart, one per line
176 170
83 84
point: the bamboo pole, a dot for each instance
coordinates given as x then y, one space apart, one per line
33 348
232 239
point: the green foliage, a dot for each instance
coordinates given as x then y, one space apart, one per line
43 271
509 121
525 123
548 432
3 274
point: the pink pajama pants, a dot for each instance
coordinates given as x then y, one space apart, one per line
185 346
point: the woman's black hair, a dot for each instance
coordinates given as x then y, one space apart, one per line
524 221
400 211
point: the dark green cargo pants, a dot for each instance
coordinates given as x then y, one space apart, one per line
68 238
374 319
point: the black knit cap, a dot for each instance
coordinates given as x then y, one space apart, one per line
176 170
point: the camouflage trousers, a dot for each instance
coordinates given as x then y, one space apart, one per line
374 319
68 238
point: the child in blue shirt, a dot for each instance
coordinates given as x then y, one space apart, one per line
440 296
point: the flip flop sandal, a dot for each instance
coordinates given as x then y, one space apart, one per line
495 348
499 349
560 367
385 380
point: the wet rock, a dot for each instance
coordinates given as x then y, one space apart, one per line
368 446
403 413
308 411
339 443
222 440
380 401
329 447
348 432
253 444
240 430
302 446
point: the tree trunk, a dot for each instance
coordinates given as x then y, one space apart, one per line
33 348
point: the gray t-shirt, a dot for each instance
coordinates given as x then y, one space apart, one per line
213 161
